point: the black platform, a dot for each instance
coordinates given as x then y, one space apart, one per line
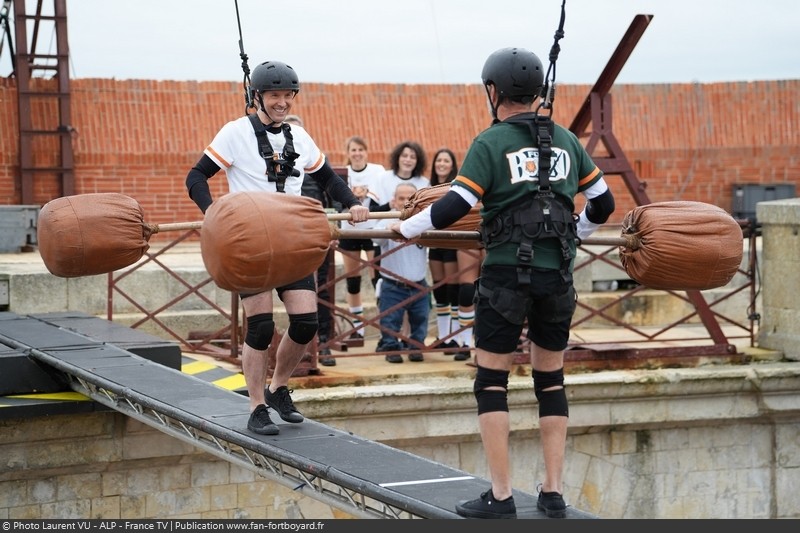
402 480
20 374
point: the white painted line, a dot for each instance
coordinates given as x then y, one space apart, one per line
426 481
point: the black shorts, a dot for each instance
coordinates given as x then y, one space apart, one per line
356 245
445 255
502 309
306 284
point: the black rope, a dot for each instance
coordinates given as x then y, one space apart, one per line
248 93
6 30
548 93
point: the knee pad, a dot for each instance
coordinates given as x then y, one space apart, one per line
466 293
551 402
354 285
303 327
260 329
440 295
491 400
452 293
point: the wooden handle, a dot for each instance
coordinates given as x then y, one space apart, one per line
175 226
372 216
626 241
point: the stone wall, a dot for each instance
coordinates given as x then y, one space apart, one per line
780 327
106 465
709 442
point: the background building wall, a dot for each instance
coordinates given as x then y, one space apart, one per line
140 137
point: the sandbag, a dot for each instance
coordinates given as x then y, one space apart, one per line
424 197
90 234
684 246
257 241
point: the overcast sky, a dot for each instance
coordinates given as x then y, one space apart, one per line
425 41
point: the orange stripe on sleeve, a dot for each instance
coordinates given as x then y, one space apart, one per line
220 159
589 178
471 184
316 166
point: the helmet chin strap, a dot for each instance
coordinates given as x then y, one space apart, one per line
492 107
263 108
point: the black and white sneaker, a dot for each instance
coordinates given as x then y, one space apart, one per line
283 405
259 422
487 507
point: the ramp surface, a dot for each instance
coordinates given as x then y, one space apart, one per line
362 477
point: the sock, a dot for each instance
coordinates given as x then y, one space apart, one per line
465 320
454 327
443 319
357 323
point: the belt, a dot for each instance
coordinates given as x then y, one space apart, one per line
403 285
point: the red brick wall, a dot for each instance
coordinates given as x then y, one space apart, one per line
140 137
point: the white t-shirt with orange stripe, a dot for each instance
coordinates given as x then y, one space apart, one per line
235 149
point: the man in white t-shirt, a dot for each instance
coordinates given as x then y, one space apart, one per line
260 152
404 291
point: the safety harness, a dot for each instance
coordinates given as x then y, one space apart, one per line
542 215
277 169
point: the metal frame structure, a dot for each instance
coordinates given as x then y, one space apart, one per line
597 110
41 102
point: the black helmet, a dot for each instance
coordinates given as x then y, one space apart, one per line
514 72
274 76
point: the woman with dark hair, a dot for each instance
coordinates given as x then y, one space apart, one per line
406 164
443 265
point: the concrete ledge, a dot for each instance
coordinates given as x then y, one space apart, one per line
780 328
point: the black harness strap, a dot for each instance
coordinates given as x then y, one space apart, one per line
277 169
543 215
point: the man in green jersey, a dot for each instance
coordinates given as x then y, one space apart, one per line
531 236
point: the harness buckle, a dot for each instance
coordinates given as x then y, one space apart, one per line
523 275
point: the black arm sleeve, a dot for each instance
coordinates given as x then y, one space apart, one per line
197 182
598 209
375 207
335 186
448 209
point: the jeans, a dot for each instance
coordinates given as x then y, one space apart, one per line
392 294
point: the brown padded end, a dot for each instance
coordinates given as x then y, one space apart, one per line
257 241
683 246
425 197
89 234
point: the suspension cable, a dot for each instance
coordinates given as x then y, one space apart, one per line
248 93
549 87
5 29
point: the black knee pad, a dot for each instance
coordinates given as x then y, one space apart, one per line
440 295
491 400
260 329
551 402
303 327
452 293
354 285
466 293
546 380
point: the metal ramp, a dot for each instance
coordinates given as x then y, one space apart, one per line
361 477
